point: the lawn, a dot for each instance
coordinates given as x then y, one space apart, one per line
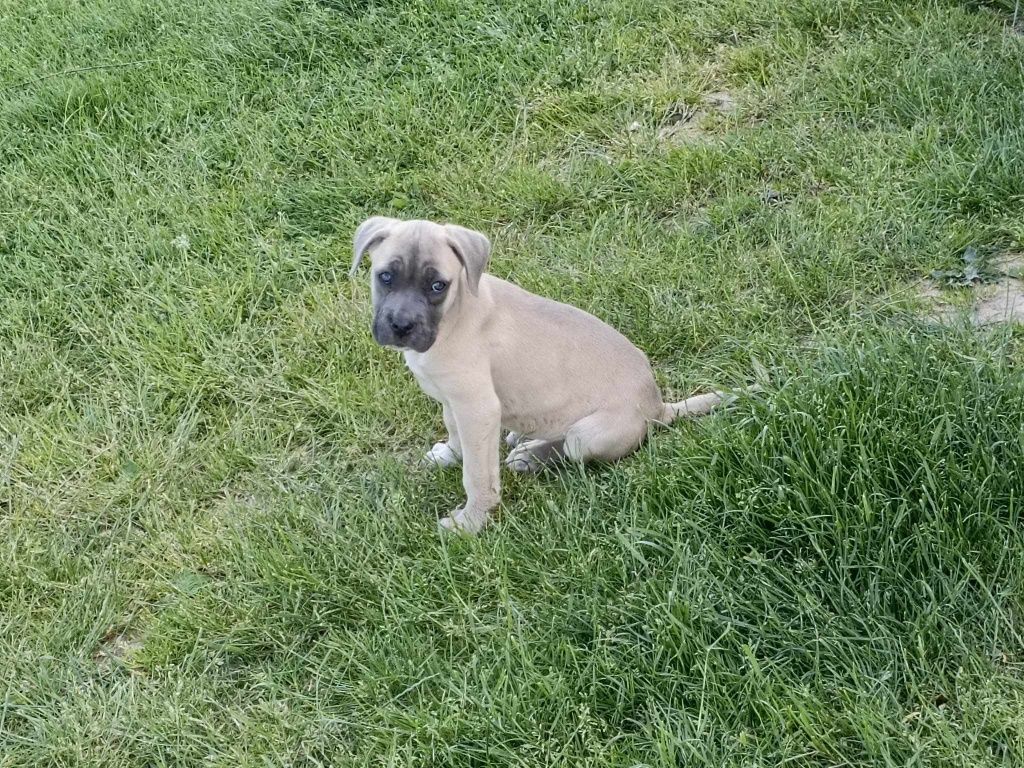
216 546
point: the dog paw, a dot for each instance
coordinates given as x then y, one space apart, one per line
442 455
522 459
512 439
461 521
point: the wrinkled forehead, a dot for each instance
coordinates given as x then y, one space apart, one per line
415 246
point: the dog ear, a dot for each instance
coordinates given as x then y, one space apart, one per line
368 234
473 249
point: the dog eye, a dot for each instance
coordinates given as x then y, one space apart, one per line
385 277
438 286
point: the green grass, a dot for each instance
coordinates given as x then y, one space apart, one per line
202 450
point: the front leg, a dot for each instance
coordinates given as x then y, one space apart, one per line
449 453
478 419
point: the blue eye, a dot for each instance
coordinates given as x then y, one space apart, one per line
438 286
385 277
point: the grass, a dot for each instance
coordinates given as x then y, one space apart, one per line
215 548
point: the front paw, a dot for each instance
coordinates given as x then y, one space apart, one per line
442 455
463 521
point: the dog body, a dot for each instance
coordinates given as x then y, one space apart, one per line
562 382
550 365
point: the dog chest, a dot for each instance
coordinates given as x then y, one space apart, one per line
415 363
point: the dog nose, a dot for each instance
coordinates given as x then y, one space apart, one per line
401 326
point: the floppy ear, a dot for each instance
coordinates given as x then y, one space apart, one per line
368 234
473 249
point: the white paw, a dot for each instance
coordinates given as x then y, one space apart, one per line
521 459
461 521
442 455
512 439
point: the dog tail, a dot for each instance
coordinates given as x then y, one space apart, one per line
701 405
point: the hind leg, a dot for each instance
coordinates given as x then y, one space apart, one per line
532 455
605 436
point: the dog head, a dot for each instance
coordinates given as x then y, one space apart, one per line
418 271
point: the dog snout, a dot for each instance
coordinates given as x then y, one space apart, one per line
404 322
401 326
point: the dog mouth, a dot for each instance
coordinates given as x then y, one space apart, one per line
410 348
418 339
420 348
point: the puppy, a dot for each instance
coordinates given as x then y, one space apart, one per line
565 384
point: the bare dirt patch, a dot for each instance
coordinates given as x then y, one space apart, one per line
998 300
116 647
1002 301
685 123
721 101
937 303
